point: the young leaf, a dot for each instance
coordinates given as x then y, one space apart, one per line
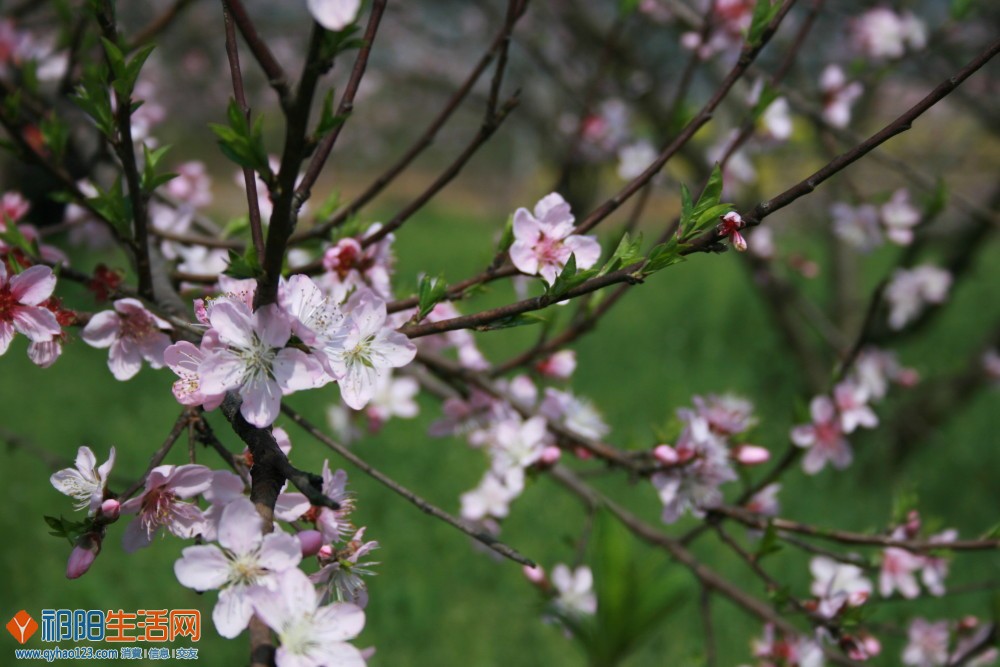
431 291
524 319
763 13
244 266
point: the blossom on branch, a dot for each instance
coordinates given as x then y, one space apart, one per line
824 438
133 333
310 635
544 240
160 505
87 482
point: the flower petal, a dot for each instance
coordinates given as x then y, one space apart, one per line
33 286
202 567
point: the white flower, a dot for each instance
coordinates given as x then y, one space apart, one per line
310 635
634 159
576 414
517 444
246 558
912 289
838 584
334 14
493 495
85 483
899 217
365 349
575 590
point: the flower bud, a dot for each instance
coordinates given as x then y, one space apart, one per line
739 243
83 555
751 455
325 552
666 454
110 509
311 542
535 575
550 455
559 365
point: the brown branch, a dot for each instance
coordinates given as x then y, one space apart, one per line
421 504
705 575
249 177
181 423
846 537
125 149
345 107
901 124
261 52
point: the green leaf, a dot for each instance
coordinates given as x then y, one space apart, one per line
150 179
430 292
763 13
12 236
960 9
55 133
712 193
71 530
627 253
92 96
524 319
769 544
507 237
627 7
113 206
236 226
935 201
768 95
568 279
328 120
246 265
662 256
243 143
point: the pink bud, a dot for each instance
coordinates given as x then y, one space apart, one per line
739 243
550 455
83 555
560 365
110 509
751 455
666 454
912 525
325 552
967 623
311 541
582 453
908 377
535 575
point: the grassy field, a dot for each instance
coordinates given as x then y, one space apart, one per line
695 328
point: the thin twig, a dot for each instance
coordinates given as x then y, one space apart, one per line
424 506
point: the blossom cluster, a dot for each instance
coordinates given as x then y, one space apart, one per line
255 568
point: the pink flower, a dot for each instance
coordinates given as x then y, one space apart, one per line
350 266
84 554
857 225
255 362
577 414
518 444
730 226
726 414
544 241
13 207
364 349
900 217
898 573
881 33
750 455
703 465
824 438
911 290
765 501
935 568
334 15
310 635
559 365
20 309
837 585
340 579
133 334
247 559
493 496
838 96
192 186
928 644
334 524
87 482
160 506
183 358
393 397
852 405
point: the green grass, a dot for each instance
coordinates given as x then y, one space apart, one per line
695 328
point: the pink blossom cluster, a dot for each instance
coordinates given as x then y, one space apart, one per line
863 226
911 291
544 240
701 460
255 570
252 352
940 643
901 566
882 33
